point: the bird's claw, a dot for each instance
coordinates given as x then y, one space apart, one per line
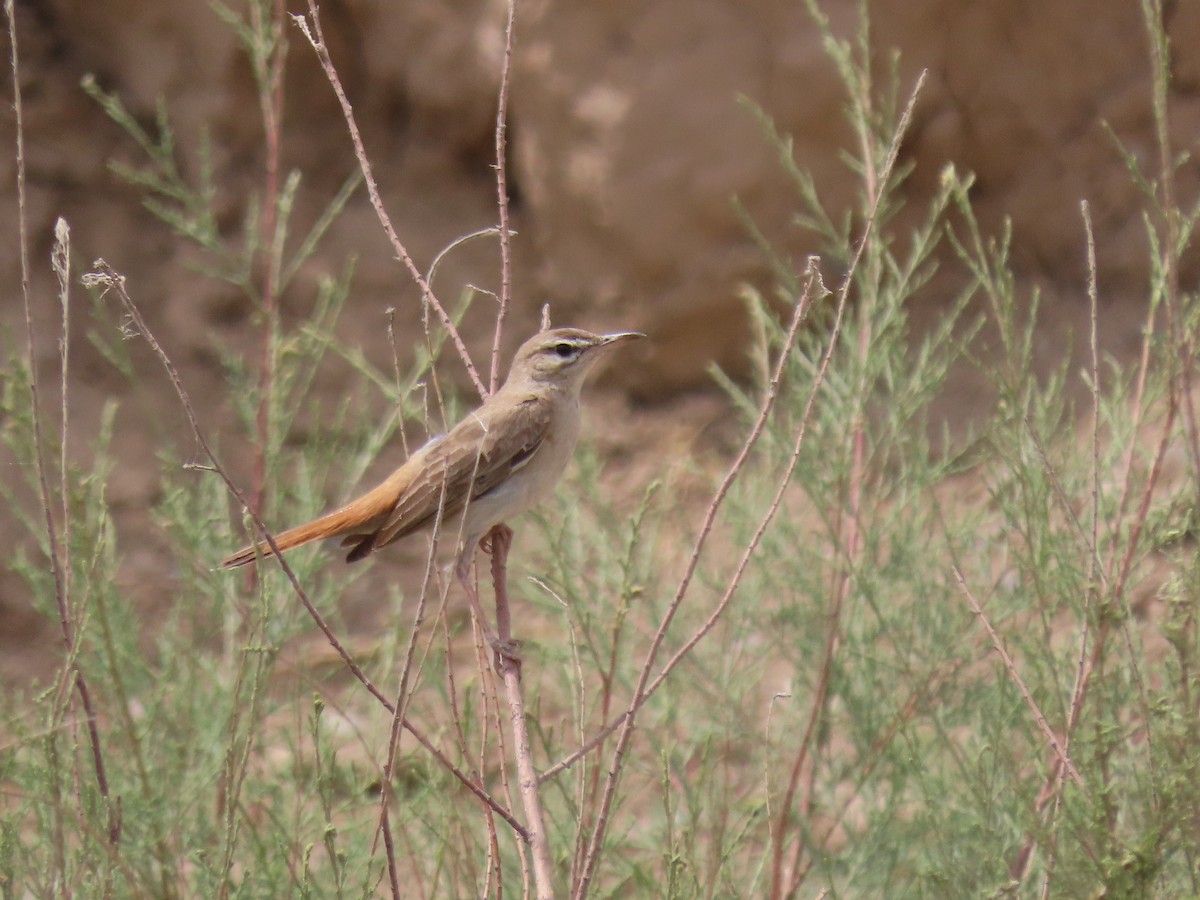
500 532
508 653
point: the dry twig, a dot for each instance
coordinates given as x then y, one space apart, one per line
106 278
317 39
57 547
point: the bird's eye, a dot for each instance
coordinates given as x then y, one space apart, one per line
564 349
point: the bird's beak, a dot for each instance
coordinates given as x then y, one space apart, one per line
621 337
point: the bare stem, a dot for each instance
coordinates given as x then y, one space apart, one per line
270 97
1014 673
317 39
1182 341
644 688
1095 571
502 194
403 694
58 551
510 671
108 278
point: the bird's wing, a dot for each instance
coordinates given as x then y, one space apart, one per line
480 453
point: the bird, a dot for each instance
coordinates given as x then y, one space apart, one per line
498 461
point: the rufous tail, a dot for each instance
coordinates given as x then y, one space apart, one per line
359 517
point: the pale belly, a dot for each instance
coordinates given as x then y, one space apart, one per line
525 489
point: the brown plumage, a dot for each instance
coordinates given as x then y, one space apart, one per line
495 463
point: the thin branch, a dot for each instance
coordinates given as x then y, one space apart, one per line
54 546
626 729
1149 334
645 688
107 278
1126 565
1060 493
403 695
510 670
1044 726
317 39
61 263
1095 572
1181 340
453 245
800 314
876 183
502 193
270 98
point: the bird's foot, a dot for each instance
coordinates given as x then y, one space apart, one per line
507 653
501 533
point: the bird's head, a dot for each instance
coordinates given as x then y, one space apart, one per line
563 356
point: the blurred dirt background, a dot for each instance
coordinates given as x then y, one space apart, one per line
627 148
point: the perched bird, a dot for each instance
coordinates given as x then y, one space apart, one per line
497 462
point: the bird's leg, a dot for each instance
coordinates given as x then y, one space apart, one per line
497 542
504 650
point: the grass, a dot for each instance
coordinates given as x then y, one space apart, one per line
902 656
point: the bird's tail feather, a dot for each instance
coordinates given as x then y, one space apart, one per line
361 517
